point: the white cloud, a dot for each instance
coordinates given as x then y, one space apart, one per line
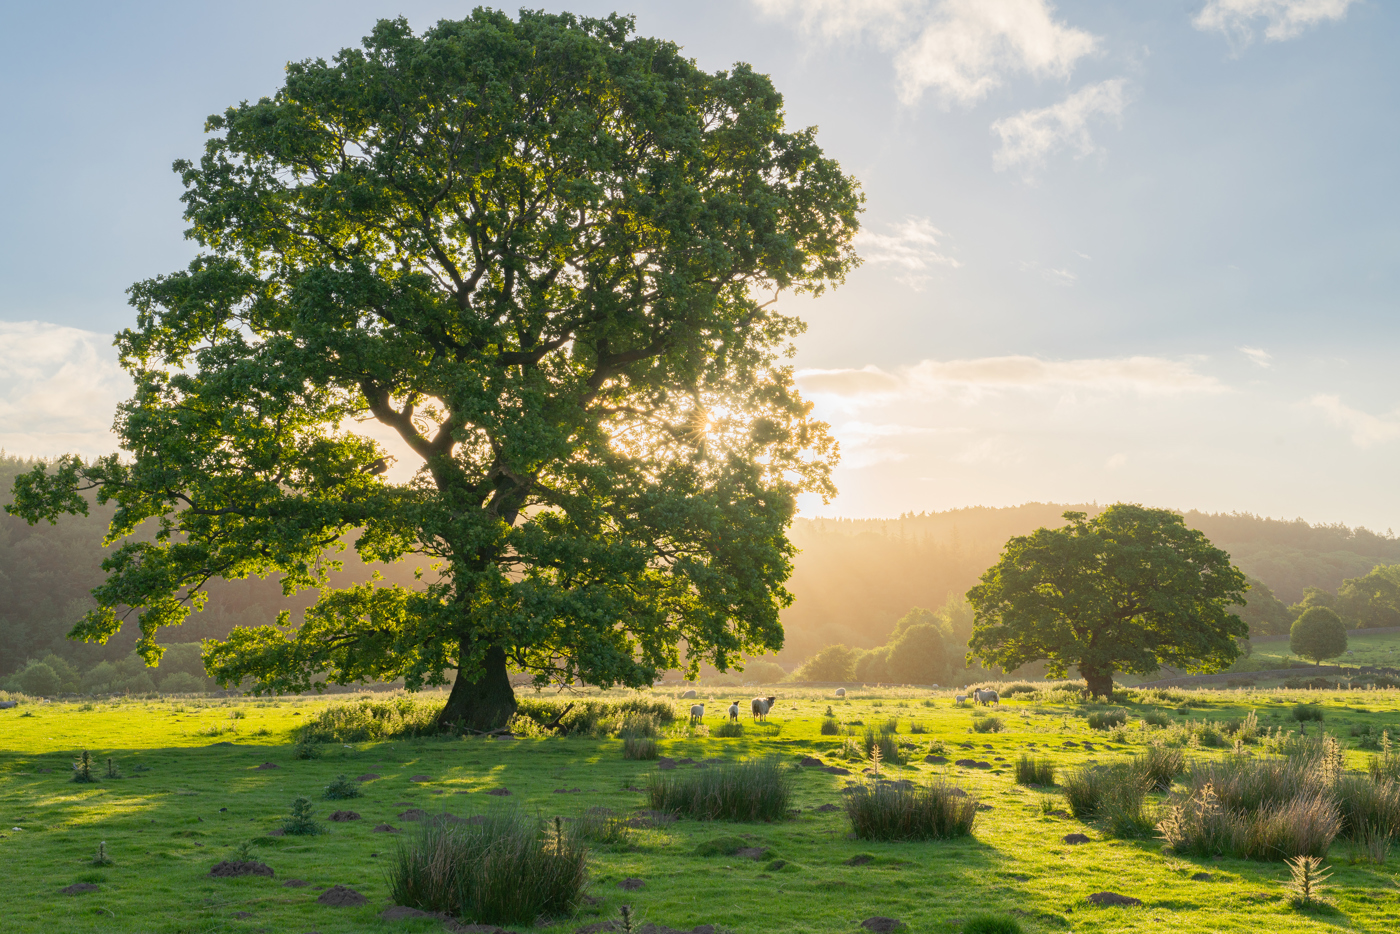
1049 274
1283 19
59 390
1258 355
931 377
913 248
962 49
1366 429
1029 136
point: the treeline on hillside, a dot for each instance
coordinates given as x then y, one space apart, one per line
1370 601
855 578
47 573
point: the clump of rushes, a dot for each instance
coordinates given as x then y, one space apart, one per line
639 747
1305 712
82 769
754 790
885 811
505 869
730 729
600 825
830 726
342 788
1161 765
112 771
1107 719
1031 771
300 823
306 748
886 743
988 725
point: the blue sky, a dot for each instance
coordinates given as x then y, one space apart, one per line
1139 251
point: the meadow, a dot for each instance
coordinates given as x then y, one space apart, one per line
197 781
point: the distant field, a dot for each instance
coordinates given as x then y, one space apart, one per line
185 801
1379 650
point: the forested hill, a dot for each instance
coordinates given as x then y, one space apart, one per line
855 577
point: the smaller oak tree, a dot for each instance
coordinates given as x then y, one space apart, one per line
1130 590
1318 633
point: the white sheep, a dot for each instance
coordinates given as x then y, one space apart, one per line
986 697
840 692
761 706
687 695
697 713
734 711
960 699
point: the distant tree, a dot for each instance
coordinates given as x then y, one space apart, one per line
38 679
833 663
1130 590
917 655
1264 613
1318 633
762 671
543 254
1314 596
1372 601
873 666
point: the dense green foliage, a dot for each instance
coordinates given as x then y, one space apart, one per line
1129 590
536 251
1318 633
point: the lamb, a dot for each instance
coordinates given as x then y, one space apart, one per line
986 697
734 711
840 692
960 699
761 706
697 713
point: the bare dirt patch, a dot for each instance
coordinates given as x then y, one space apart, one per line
341 896
231 868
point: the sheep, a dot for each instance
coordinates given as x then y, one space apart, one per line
986 697
687 695
840 692
697 713
7 704
960 699
734 711
761 706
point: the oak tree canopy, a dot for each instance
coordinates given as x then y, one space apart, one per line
542 254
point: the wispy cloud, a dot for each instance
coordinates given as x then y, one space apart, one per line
1281 19
1258 355
1113 375
960 49
912 247
1366 429
1031 135
1050 274
59 390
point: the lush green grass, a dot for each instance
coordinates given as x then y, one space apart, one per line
164 828
1381 650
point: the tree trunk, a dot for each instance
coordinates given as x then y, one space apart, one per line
486 703
1099 680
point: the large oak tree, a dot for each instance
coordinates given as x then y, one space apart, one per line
1130 590
541 253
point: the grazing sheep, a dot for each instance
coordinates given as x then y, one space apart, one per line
688 694
734 711
761 706
697 713
7 704
986 697
840 692
960 699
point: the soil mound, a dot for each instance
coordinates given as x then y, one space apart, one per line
1104 899
825 808
266 765
665 764
385 828
883 925
367 777
499 792
78 888
860 860
413 814
630 885
1201 877
400 913
1075 838
341 896
295 884
240 867
341 817
810 760
420 778
836 770
936 760
751 852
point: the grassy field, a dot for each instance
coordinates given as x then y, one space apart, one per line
191 790
1381 650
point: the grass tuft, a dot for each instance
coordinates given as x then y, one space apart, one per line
1031 771
505 869
342 788
988 725
754 790
830 726
639 747
883 811
984 922
731 729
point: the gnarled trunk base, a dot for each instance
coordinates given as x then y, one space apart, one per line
1099 680
486 703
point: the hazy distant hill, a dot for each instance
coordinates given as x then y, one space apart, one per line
854 578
